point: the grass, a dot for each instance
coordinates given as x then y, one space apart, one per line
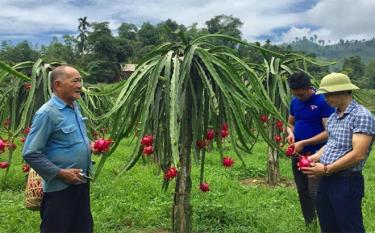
134 202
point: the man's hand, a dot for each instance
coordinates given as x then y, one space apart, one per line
314 157
316 169
70 175
298 146
290 139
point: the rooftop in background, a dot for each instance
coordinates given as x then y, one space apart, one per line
129 67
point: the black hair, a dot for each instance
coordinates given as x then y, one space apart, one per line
299 80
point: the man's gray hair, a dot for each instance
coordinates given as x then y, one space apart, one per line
58 72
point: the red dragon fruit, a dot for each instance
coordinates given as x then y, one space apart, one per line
101 146
290 151
279 124
201 144
2 146
264 118
148 150
147 140
224 133
26 168
278 138
228 161
303 161
210 134
4 165
204 187
26 131
170 173
224 126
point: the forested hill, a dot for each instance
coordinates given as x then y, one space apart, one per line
103 54
365 49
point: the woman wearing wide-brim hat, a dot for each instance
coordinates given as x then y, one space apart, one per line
351 131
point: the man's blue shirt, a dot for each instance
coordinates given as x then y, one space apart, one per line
57 139
308 118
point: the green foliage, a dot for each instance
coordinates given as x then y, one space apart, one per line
223 24
337 51
104 64
25 87
194 81
103 70
238 202
370 74
133 43
127 31
226 25
59 51
21 96
148 34
20 53
355 69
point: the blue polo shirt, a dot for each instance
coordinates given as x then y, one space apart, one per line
308 118
57 139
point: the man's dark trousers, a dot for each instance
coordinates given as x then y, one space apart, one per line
339 203
307 190
67 210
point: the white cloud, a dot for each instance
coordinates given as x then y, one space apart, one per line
345 19
295 32
35 17
331 19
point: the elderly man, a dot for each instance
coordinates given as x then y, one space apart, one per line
351 131
58 148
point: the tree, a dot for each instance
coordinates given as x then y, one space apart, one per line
355 69
223 24
227 25
193 31
128 42
23 51
370 74
82 36
105 56
167 29
127 31
148 34
57 51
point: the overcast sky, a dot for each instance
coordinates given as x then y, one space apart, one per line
277 20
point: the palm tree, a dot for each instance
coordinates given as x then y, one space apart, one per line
82 36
